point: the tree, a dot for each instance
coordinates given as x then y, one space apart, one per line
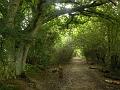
22 19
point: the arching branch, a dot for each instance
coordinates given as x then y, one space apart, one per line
80 8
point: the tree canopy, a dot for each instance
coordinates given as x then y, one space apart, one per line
39 27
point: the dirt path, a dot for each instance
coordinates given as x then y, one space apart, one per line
77 76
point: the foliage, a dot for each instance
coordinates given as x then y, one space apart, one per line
64 54
45 25
99 40
42 51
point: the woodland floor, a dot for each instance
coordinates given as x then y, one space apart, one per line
77 76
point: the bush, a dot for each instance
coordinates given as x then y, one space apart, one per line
96 55
64 54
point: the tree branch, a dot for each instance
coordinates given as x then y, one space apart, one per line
106 16
61 1
70 11
79 9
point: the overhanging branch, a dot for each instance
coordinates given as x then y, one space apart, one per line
70 11
100 14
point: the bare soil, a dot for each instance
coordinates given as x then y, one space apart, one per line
76 76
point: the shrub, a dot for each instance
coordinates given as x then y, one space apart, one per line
64 54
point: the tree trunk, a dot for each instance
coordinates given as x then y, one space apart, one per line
20 59
8 60
12 8
25 53
11 13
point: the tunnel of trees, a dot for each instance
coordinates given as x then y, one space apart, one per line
46 32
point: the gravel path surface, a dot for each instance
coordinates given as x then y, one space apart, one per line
76 76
